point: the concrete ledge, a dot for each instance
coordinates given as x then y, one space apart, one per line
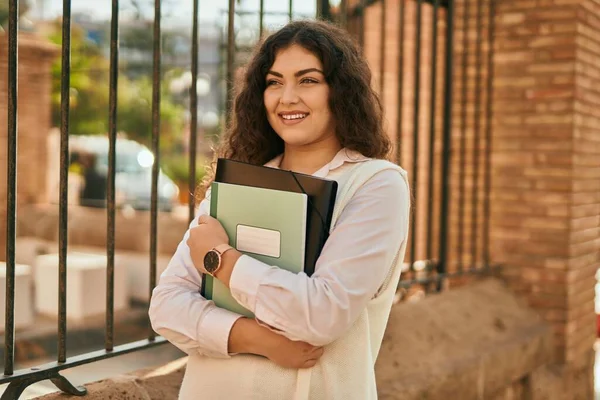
41 221
152 384
469 343
135 263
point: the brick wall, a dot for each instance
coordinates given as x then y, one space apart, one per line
545 193
546 116
585 203
533 153
35 58
546 208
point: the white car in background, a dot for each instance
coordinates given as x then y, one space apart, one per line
133 175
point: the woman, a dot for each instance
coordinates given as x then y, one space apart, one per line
305 105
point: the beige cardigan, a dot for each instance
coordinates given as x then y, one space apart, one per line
346 371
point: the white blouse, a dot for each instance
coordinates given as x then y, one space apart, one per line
317 309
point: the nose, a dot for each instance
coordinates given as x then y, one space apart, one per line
289 95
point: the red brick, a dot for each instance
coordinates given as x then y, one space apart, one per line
34 121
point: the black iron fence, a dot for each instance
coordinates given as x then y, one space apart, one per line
427 152
438 94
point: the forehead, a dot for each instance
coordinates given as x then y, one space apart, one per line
295 58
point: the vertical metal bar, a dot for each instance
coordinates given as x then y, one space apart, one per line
400 84
432 109
415 155
64 188
323 10
488 136
344 14
463 138
382 51
361 24
193 113
291 10
447 143
221 95
156 72
230 58
476 138
110 192
261 18
11 184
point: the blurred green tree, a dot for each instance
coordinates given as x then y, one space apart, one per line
89 96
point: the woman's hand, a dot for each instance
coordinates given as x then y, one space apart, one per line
290 354
208 234
247 336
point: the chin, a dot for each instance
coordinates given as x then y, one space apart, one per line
296 139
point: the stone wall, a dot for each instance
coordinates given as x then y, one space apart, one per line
34 121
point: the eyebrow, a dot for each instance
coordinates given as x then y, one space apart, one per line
297 74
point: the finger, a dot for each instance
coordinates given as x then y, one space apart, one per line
203 219
193 233
313 349
309 363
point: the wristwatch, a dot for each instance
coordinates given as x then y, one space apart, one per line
214 258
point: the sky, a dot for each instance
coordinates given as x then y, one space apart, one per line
209 9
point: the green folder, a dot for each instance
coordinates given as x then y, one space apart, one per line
268 225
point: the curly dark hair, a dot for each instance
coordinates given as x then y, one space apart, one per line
356 107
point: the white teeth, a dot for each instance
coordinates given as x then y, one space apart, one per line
294 116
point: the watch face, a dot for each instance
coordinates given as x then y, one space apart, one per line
211 261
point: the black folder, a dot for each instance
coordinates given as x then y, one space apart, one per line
321 198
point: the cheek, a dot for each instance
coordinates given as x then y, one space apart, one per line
321 105
270 102
320 101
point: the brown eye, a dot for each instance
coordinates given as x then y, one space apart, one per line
309 80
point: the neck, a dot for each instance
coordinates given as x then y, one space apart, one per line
308 159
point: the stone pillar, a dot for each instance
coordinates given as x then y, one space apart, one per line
546 175
35 86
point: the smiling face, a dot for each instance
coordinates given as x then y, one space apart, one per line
297 99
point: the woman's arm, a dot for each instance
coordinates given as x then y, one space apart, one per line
197 326
352 267
180 313
249 337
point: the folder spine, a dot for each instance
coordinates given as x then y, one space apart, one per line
207 280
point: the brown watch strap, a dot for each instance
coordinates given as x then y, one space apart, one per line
222 248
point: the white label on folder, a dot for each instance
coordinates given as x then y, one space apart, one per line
258 241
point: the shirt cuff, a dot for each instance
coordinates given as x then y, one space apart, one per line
215 328
245 280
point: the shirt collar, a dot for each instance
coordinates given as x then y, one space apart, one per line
343 156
